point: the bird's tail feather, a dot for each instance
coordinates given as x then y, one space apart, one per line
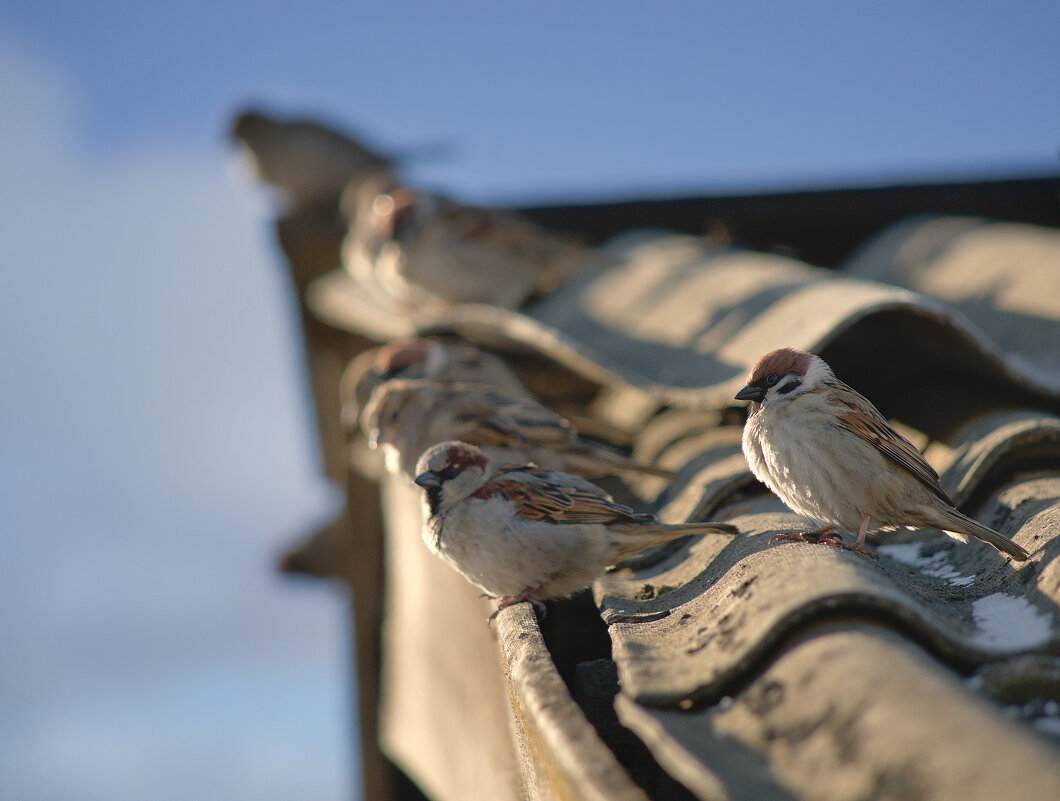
640 535
962 524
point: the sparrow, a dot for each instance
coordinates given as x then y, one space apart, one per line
308 161
369 253
826 451
420 252
524 533
409 416
444 363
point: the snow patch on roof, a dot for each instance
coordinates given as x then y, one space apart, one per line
1006 621
936 565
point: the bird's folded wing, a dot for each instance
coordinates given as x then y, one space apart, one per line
485 425
864 421
536 497
539 425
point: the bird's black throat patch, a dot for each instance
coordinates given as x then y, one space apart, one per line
434 499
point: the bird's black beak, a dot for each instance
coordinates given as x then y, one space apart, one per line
428 480
751 393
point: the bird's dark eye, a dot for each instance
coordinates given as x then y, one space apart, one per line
771 379
402 221
448 472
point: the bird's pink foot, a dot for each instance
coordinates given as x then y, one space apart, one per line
823 536
855 548
815 537
511 600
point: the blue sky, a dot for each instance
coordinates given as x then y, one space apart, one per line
558 98
154 429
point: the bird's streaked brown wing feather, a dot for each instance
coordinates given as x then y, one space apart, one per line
539 425
858 416
536 497
487 426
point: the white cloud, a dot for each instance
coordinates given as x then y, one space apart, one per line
154 455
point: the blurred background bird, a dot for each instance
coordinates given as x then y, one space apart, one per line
419 252
305 158
409 416
443 362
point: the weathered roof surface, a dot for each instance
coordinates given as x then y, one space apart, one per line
739 668
1004 277
561 752
684 321
849 713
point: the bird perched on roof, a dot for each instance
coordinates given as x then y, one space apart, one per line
307 160
442 362
369 252
420 253
409 416
523 533
826 451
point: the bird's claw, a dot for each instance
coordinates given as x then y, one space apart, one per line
858 549
816 537
821 537
539 606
